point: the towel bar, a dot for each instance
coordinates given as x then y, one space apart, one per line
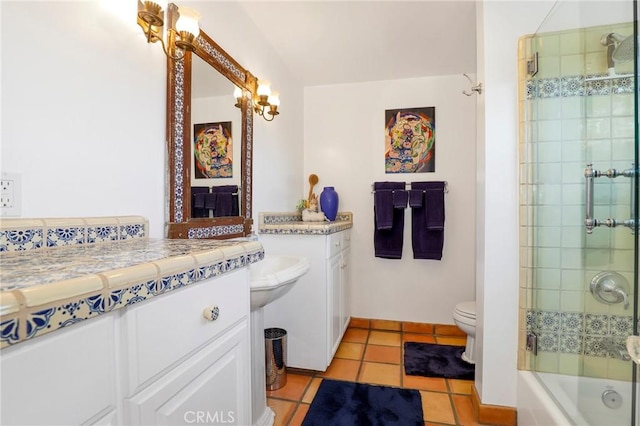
408 185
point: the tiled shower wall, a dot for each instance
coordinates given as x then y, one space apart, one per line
571 116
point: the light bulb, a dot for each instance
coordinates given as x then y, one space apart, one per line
263 88
274 99
237 93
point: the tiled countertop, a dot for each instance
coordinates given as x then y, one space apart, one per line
291 223
47 289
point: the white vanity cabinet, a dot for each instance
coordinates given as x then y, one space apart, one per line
184 368
63 378
315 313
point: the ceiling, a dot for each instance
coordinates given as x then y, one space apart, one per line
332 42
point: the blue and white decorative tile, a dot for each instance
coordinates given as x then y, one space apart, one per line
572 322
620 326
573 86
531 91
9 332
101 234
39 322
171 282
131 231
594 346
21 239
597 87
596 324
531 319
548 321
67 236
548 342
548 88
570 343
622 85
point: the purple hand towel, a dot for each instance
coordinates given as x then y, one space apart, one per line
198 199
415 197
427 222
388 242
383 208
400 199
224 204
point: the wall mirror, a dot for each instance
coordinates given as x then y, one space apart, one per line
209 136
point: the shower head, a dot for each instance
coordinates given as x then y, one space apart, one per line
619 49
624 50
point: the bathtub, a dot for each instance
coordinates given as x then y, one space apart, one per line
581 399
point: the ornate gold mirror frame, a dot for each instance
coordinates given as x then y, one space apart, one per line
180 223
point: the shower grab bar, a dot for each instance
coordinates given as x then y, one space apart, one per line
590 174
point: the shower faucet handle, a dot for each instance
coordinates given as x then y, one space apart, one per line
610 287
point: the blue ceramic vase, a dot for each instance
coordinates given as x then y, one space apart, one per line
329 202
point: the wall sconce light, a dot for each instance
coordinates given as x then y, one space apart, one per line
181 29
264 103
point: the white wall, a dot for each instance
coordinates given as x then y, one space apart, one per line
83 110
344 146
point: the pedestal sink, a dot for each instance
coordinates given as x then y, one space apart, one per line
271 278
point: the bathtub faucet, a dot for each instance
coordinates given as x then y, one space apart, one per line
617 349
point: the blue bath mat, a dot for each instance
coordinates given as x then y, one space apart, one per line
339 403
430 360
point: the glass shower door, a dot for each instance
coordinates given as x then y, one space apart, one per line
578 198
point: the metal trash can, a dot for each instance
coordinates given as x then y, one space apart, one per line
275 354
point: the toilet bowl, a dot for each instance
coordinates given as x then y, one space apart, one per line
464 316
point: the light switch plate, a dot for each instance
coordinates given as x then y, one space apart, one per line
10 194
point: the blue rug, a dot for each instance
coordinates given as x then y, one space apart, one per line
430 360
339 403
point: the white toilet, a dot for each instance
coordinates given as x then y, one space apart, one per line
464 315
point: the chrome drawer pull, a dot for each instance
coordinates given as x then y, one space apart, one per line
211 313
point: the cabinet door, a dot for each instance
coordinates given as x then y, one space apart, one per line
345 283
211 387
334 294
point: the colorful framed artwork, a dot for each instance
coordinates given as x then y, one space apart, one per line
410 140
213 150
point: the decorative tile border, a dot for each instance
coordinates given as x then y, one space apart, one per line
578 85
37 234
291 223
577 332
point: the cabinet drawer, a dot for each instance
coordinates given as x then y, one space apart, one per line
346 238
162 331
334 244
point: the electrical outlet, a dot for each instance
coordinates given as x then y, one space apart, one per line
9 194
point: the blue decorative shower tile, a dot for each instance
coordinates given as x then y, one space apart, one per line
597 87
596 324
572 86
622 85
570 343
548 88
548 321
571 322
531 89
620 326
532 320
548 342
594 346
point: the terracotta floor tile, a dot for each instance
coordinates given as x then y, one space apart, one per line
312 390
424 383
380 374
359 323
464 410
298 417
453 341
348 350
355 335
422 338
436 407
293 389
448 330
460 386
417 327
342 369
384 338
386 325
384 354
283 409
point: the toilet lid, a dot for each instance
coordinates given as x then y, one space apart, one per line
467 309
